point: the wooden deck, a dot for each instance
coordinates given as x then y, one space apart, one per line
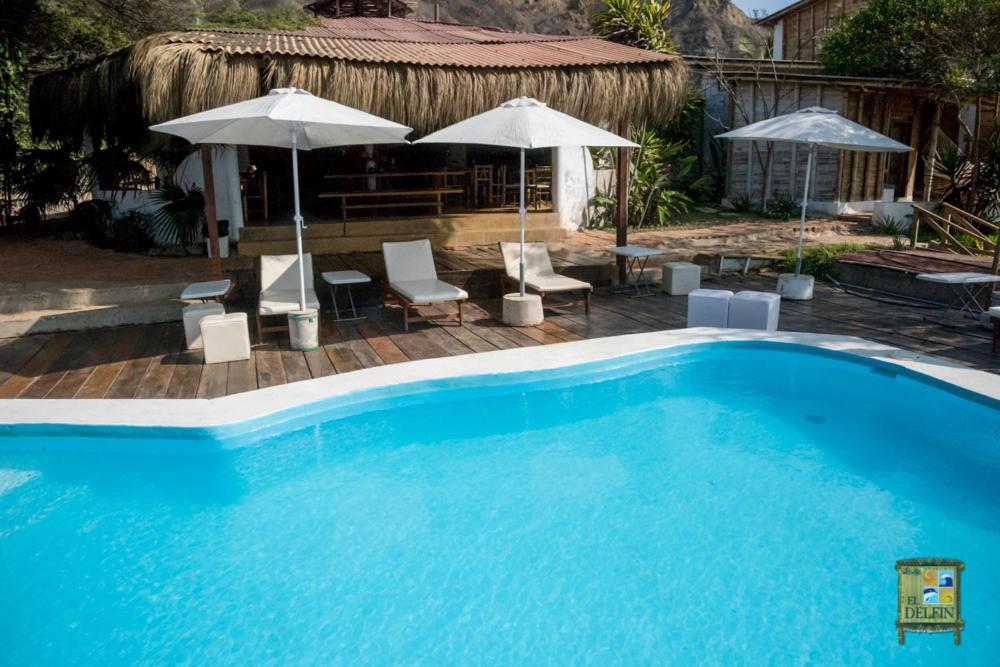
150 362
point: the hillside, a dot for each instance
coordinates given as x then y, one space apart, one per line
699 26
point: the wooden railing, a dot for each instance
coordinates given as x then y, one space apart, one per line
950 220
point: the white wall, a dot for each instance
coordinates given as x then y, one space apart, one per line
778 43
573 185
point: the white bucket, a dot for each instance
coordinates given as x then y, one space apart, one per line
303 329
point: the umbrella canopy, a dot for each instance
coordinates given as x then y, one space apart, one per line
815 126
287 118
525 123
268 121
820 127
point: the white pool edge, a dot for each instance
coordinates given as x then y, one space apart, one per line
262 402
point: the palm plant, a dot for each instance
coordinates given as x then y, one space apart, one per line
657 168
179 218
963 186
638 23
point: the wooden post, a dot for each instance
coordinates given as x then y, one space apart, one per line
914 156
996 260
621 217
932 152
976 140
211 220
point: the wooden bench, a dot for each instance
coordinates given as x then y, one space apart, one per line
435 199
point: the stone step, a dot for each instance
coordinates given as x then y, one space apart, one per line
87 317
18 299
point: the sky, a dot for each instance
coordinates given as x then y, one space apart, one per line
767 5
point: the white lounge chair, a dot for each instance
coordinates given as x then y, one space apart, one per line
411 280
279 289
539 276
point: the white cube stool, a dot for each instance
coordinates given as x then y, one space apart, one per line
226 338
680 278
193 315
708 308
754 310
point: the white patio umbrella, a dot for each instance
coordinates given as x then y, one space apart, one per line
287 118
816 126
524 123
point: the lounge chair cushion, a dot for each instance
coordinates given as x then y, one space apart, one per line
408 260
281 272
554 283
538 272
429 291
279 301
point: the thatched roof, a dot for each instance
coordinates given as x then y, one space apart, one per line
426 75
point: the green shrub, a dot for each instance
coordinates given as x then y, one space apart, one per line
93 218
744 203
888 225
781 207
817 260
131 233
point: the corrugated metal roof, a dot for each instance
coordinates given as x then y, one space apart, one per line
396 40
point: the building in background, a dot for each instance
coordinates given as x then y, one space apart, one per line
740 91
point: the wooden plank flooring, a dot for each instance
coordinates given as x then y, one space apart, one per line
150 361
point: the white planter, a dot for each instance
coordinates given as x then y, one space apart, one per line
796 287
522 311
303 329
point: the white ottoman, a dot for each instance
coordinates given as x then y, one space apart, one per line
193 315
754 310
708 308
226 338
796 287
680 278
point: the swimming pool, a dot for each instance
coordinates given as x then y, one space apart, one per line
735 502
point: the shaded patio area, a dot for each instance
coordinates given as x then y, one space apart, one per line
150 362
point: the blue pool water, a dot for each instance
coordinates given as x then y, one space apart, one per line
724 504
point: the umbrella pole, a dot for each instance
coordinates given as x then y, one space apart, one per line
523 214
805 203
298 219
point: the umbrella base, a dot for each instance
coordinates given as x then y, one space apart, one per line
522 311
303 329
796 287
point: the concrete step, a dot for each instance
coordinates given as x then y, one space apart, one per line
416 226
18 299
441 239
87 317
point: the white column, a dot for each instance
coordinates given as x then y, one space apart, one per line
573 184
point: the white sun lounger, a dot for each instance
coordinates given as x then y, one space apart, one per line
411 280
539 276
279 289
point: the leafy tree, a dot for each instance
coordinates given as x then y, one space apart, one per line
952 46
42 35
663 165
638 23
